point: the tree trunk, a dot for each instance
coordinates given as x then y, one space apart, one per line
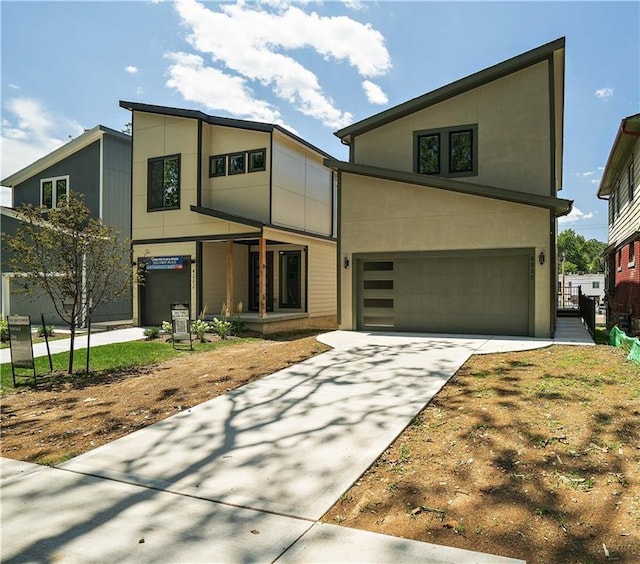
72 344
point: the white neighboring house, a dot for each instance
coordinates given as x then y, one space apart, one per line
592 285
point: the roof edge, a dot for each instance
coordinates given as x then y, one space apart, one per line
559 206
452 89
606 184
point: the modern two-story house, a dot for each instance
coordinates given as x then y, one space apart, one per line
619 185
447 206
231 217
96 164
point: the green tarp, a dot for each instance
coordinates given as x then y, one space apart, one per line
618 338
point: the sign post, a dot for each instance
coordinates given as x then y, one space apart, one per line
21 345
181 323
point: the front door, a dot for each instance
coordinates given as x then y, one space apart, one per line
254 281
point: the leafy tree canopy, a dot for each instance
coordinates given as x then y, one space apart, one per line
580 255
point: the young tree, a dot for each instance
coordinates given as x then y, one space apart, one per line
75 259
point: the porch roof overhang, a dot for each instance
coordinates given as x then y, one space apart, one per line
255 224
558 206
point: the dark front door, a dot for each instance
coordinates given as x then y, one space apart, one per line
254 281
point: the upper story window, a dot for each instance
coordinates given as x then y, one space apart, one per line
631 179
163 183
257 160
236 163
450 151
54 191
218 165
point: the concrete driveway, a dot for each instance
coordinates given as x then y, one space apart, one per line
246 476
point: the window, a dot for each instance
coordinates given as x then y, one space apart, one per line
163 183
53 191
595 285
290 279
619 259
617 198
257 160
218 165
632 254
450 151
631 179
236 163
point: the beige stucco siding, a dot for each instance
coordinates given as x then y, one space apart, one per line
321 268
514 138
380 216
246 195
302 188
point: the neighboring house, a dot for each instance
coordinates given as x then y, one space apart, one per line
96 164
620 186
447 207
228 211
591 285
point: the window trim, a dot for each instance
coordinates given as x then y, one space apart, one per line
631 263
445 134
54 192
221 158
232 156
262 152
149 163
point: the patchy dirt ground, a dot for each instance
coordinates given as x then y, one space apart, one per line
533 455
62 420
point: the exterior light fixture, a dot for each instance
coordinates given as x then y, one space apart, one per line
541 258
346 262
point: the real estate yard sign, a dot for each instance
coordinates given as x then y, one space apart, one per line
181 323
21 344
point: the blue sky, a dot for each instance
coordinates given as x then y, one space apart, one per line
313 67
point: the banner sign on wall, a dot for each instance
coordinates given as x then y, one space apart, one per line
164 263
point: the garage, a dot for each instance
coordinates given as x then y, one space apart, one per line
465 292
167 280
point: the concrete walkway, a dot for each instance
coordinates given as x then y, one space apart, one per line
246 476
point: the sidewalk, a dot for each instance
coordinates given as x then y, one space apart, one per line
97 339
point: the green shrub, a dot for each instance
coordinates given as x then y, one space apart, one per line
152 332
222 328
200 328
4 330
48 331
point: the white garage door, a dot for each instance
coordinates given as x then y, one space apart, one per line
486 293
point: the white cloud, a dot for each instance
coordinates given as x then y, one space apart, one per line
29 132
139 90
251 43
374 93
356 5
604 93
131 69
575 216
14 87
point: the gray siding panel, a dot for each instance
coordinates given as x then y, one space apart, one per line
116 198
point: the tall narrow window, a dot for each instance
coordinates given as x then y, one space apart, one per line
429 154
631 179
54 191
632 254
291 279
163 183
461 151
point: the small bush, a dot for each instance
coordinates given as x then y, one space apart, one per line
200 328
222 328
167 327
152 332
48 331
4 330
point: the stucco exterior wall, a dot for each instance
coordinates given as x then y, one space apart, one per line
302 189
514 132
246 195
382 216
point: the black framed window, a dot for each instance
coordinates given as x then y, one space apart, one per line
257 160
447 151
429 154
237 163
461 151
290 279
54 191
218 165
163 183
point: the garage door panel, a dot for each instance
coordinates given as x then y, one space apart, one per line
461 293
